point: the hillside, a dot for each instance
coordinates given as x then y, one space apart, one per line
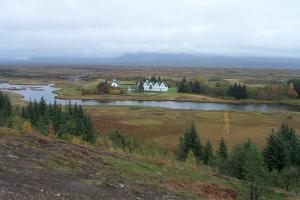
164 59
33 166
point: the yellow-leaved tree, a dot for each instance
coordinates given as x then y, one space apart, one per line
225 128
26 126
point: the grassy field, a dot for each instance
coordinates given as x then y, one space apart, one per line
163 127
16 99
135 72
128 75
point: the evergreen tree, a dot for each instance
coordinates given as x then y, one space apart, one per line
140 86
103 87
196 87
282 149
159 79
6 110
185 86
222 151
183 149
153 78
42 106
190 141
208 154
72 120
237 91
290 177
89 134
194 142
254 172
237 160
181 88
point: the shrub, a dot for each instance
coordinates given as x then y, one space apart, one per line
116 91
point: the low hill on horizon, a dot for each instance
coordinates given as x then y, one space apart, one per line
165 59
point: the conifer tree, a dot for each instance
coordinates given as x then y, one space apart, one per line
159 79
71 120
222 151
183 149
208 154
254 172
190 141
5 110
282 148
153 78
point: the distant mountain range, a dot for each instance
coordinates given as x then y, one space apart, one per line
162 59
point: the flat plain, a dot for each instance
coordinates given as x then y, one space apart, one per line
159 126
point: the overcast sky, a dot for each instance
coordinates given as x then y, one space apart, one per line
99 28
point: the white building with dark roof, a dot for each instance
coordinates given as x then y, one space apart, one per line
114 83
155 86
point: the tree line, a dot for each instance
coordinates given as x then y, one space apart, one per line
62 121
103 87
296 86
6 110
194 86
277 165
236 91
288 89
48 118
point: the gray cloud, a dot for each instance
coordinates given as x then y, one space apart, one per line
97 28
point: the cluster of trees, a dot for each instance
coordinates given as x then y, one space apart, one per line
291 89
103 87
277 165
273 91
190 143
154 79
197 86
120 141
283 149
6 110
70 120
238 91
194 86
296 86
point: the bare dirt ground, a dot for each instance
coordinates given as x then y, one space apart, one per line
35 167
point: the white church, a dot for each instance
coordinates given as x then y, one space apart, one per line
155 86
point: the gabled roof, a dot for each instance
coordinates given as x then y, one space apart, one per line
154 83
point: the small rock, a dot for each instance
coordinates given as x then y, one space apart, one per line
12 156
82 162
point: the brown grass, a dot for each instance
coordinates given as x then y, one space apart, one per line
16 99
164 126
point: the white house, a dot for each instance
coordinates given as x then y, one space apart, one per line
114 83
155 86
